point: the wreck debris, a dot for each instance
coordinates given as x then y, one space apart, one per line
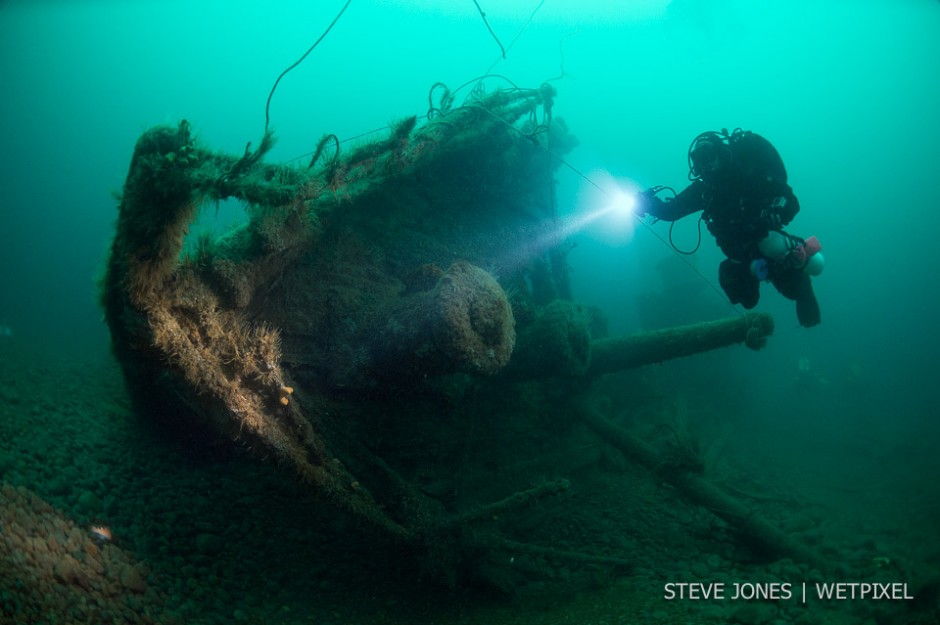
753 529
463 323
558 342
629 352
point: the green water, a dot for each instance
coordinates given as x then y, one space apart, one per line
846 91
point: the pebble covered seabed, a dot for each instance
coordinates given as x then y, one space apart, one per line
204 534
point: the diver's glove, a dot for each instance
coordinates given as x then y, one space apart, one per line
647 203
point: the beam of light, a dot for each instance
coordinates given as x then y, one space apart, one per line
606 209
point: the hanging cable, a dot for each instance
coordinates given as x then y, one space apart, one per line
267 106
483 15
698 242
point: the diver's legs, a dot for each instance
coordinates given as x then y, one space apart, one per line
796 284
736 280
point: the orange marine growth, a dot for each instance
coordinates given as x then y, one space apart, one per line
285 393
101 533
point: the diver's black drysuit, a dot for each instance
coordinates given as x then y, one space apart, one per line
740 185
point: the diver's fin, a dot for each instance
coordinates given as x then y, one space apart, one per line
807 308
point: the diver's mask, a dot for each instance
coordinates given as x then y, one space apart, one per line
708 156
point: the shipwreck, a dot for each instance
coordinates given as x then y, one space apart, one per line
394 325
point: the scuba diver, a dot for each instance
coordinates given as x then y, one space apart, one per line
740 186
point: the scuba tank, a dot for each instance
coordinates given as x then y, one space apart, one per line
814 258
789 250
